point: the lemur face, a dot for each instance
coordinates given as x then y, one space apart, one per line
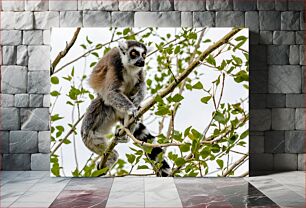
133 53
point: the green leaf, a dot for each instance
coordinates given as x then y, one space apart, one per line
92 64
95 54
56 117
149 82
159 99
220 163
89 41
67 141
99 46
237 60
198 86
222 66
97 173
211 60
244 134
185 147
219 117
205 99
54 80
205 152
55 93
186 132
126 31
83 46
91 96
55 170
241 38
177 98
60 128
241 76
72 72
196 134
75 173
179 161
131 158
142 167
177 49
162 110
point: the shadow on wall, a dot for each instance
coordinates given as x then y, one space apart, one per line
276 107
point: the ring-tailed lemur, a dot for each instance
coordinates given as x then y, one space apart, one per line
118 79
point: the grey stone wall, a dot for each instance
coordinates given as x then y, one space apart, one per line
276 68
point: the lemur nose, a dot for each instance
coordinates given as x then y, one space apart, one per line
140 63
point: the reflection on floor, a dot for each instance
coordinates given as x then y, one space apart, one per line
36 189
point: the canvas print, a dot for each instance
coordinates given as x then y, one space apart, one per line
153 102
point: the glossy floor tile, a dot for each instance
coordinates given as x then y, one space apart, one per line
37 189
84 192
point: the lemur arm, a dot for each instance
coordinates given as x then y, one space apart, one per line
118 100
140 89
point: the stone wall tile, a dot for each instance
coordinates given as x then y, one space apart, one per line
40 162
229 19
37 5
39 82
16 162
6 100
162 5
274 141
283 118
285 162
10 119
36 119
122 19
157 19
23 142
194 5
134 5
13 79
203 19
96 19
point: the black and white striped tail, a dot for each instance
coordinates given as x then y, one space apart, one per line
141 133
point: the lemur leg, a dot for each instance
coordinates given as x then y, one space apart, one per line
97 123
124 138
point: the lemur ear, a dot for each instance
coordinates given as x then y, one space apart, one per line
123 46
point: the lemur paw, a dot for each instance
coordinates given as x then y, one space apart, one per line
121 139
132 112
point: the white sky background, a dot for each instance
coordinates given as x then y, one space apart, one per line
191 113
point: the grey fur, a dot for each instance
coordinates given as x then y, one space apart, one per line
120 86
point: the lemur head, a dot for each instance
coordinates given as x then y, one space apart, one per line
133 53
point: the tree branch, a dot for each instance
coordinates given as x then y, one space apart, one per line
238 162
63 53
165 91
67 135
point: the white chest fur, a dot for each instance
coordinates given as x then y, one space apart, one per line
130 79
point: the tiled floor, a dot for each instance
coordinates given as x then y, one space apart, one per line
36 189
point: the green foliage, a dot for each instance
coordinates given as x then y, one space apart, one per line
173 54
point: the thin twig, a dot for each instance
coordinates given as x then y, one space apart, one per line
63 53
67 135
229 170
244 174
237 48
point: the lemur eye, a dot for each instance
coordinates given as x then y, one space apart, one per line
144 55
133 54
